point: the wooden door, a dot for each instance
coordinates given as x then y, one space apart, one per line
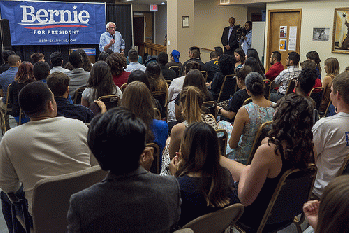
279 18
138 30
148 27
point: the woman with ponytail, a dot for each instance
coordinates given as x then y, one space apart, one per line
191 99
249 118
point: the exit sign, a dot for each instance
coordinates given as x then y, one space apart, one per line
153 7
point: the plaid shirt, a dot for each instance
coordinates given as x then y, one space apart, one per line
285 76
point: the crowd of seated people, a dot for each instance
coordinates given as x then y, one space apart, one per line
185 134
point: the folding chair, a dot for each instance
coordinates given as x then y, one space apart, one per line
247 101
218 221
317 94
78 94
51 198
155 167
266 87
210 107
222 141
176 69
261 134
293 190
228 88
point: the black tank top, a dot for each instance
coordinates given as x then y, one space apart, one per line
253 214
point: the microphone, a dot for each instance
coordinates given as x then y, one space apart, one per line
113 36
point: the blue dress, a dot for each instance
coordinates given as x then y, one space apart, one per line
160 132
258 115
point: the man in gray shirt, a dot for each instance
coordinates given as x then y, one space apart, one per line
78 76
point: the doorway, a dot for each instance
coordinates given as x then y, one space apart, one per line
284 27
143 29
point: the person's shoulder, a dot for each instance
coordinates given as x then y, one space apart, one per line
169 181
70 123
160 123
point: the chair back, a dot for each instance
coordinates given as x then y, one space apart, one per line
292 191
51 198
218 221
210 107
247 101
78 94
228 88
290 87
176 69
110 101
261 134
344 170
222 141
317 94
155 167
266 87
123 87
204 74
273 85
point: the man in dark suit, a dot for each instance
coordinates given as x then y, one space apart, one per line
130 199
230 38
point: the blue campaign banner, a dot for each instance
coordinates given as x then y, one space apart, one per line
53 23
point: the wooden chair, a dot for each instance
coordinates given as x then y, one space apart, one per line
344 170
317 94
273 85
228 88
162 97
290 87
222 141
51 198
210 107
204 74
261 134
78 94
266 87
157 114
176 69
293 190
218 221
123 87
155 167
247 101
168 82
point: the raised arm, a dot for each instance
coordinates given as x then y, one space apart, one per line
264 164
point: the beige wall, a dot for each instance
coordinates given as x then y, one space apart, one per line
315 14
210 20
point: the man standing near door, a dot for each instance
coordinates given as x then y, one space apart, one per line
230 38
111 39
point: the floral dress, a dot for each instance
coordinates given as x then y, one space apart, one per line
258 115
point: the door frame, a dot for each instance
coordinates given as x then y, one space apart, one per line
268 50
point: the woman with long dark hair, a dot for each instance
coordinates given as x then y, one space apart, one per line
289 145
253 53
205 185
138 99
226 65
239 55
100 84
24 76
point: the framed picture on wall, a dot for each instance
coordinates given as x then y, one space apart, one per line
340 34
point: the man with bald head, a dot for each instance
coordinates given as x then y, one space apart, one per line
230 38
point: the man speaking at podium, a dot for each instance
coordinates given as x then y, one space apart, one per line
111 39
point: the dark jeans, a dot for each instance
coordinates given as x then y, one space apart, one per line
11 221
